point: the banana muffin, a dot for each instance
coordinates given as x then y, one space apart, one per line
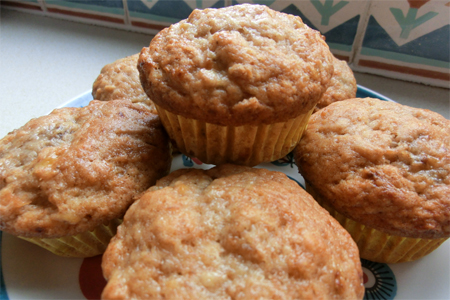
382 169
231 232
120 80
236 84
342 85
67 178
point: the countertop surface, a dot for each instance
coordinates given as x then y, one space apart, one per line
45 62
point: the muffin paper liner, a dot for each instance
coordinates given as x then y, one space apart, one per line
86 244
377 246
244 145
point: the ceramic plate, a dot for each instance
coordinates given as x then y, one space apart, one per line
30 272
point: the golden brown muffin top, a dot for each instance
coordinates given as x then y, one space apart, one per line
120 80
243 64
342 85
230 233
380 163
77 168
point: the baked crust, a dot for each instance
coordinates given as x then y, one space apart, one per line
230 232
243 64
77 168
382 164
120 80
342 85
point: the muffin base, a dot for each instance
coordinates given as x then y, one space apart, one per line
378 246
86 244
247 145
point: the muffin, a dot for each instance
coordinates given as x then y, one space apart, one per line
342 85
66 179
231 232
236 84
382 169
120 80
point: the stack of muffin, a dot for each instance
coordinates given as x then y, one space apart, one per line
233 87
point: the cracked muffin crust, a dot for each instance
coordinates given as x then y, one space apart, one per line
382 164
120 80
78 168
243 64
231 232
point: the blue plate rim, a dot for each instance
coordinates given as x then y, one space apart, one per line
85 97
